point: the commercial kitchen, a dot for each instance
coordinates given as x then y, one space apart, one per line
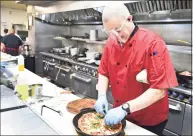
61 58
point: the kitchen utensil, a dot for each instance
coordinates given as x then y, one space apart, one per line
184 79
90 61
73 51
98 56
82 51
76 105
67 49
93 35
88 110
58 111
97 62
91 54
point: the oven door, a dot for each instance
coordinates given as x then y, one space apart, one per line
62 75
49 69
186 129
176 116
82 84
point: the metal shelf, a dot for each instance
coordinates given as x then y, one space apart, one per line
88 41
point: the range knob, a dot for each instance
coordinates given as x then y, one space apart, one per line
175 94
76 67
181 97
84 69
169 93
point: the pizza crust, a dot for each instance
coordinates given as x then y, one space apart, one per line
91 124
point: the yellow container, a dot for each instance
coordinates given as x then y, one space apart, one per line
23 90
21 67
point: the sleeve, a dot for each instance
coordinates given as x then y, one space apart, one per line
160 70
103 67
20 43
4 40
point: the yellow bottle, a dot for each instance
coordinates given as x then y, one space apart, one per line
21 63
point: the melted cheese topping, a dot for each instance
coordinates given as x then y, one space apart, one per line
92 124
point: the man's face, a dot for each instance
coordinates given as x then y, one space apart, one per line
121 29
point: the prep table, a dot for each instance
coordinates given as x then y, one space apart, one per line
18 119
62 124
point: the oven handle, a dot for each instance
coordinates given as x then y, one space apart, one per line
176 107
80 78
64 69
50 63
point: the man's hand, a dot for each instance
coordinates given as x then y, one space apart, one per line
101 104
114 116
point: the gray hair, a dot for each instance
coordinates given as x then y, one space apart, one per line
118 10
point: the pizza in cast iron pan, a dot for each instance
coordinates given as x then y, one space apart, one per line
92 123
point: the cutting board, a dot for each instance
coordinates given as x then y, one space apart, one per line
76 105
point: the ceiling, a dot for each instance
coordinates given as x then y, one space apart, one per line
13 5
22 5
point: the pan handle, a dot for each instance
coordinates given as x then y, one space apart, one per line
85 109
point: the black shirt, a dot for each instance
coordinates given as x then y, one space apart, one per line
12 41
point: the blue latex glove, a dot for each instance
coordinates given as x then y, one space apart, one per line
114 116
101 105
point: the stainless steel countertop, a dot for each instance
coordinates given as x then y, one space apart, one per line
9 99
23 122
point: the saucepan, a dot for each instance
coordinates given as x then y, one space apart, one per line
90 110
185 78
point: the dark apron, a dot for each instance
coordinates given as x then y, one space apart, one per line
12 51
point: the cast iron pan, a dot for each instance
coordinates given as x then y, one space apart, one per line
87 110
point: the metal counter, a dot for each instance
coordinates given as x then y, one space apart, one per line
18 119
9 101
24 122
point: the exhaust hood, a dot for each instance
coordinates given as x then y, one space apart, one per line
158 11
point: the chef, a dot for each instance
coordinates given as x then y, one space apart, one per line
128 51
11 44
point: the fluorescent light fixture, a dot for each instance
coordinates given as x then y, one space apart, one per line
17 1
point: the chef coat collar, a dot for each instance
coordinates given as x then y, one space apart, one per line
134 31
132 35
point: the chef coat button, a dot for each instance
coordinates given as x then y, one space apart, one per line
124 87
130 44
126 66
118 63
117 82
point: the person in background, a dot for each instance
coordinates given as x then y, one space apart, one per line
11 44
129 50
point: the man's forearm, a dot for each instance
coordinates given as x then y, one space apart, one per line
102 85
146 99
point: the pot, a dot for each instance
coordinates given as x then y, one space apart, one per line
93 35
73 51
67 49
83 51
88 110
90 54
184 80
98 56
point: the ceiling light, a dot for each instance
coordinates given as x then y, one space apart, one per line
17 1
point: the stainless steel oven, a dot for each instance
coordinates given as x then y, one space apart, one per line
62 75
49 68
179 119
83 84
176 116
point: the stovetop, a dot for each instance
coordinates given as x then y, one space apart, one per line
74 58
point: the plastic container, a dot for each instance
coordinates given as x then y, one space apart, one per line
21 63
